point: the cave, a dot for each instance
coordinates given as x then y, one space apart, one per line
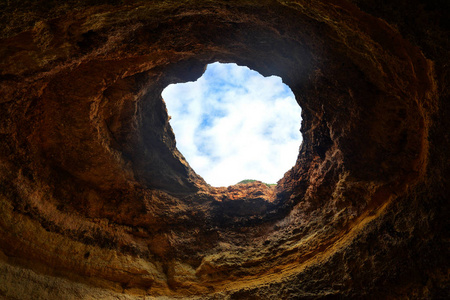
96 202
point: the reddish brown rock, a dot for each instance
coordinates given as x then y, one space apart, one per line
96 202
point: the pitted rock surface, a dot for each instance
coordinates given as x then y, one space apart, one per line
96 201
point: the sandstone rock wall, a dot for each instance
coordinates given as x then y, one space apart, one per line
96 202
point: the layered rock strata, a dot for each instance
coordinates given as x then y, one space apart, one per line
96 202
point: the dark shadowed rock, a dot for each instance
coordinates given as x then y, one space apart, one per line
96 202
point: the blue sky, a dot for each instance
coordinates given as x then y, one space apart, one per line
234 124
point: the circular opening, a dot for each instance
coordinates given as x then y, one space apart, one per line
234 124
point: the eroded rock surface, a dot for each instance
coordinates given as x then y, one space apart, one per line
96 202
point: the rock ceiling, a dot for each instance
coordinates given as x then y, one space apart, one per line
96 202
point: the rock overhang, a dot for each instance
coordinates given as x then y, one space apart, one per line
99 170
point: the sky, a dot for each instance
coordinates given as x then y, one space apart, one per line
234 124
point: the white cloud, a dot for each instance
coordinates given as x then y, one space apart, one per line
234 124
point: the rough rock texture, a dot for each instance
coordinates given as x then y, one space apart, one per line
96 202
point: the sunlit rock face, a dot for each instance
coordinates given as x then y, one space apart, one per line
97 202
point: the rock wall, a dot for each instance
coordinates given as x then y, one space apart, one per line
96 202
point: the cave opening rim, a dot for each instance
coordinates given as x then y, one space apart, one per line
250 73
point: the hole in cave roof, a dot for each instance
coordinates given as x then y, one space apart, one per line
234 124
